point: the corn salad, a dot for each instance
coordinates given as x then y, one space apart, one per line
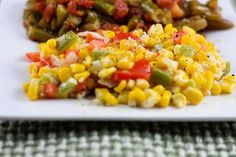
157 68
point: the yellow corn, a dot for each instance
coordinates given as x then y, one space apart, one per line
159 89
109 34
64 73
130 84
194 95
124 28
84 52
170 29
87 62
165 99
184 61
191 68
61 56
106 72
142 84
124 65
110 99
123 97
137 95
227 87
26 86
216 88
230 79
198 78
52 43
152 98
108 61
121 86
77 68
81 77
43 70
33 90
179 100
33 68
138 32
209 79
212 67
126 44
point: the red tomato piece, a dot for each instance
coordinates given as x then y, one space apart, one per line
122 9
81 87
141 70
72 6
33 57
121 36
94 44
89 37
50 90
178 36
48 13
86 3
120 75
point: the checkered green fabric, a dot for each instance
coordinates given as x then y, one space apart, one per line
100 139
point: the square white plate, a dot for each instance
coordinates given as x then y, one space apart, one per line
14 72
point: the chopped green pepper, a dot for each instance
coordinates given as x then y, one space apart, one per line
187 51
227 68
161 77
67 87
98 54
66 41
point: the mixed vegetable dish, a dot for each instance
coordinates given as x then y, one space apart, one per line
45 19
156 68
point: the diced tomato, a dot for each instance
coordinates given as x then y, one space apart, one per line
86 3
72 6
62 1
50 90
121 36
178 36
40 6
141 70
89 37
122 9
48 13
33 57
109 26
166 3
81 87
120 75
94 44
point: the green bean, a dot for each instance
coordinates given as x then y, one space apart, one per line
70 23
151 9
54 24
62 14
105 8
197 23
134 21
134 3
219 24
212 4
43 24
38 34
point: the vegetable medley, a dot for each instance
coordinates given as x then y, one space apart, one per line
157 68
45 19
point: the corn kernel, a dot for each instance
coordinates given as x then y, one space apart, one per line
77 68
87 62
194 95
184 61
125 65
142 84
130 84
26 86
198 78
109 34
124 29
216 88
138 32
33 90
191 68
64 73
123 97
106 72
159 89
108 61
137 95
110 99
126 44
179 100
43 70
165 99
209 79
81 77
152 98
84 52
230 79
121 86
61 56
52 43
227 87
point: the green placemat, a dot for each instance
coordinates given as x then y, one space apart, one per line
96 139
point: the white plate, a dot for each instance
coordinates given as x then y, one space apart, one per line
14 72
